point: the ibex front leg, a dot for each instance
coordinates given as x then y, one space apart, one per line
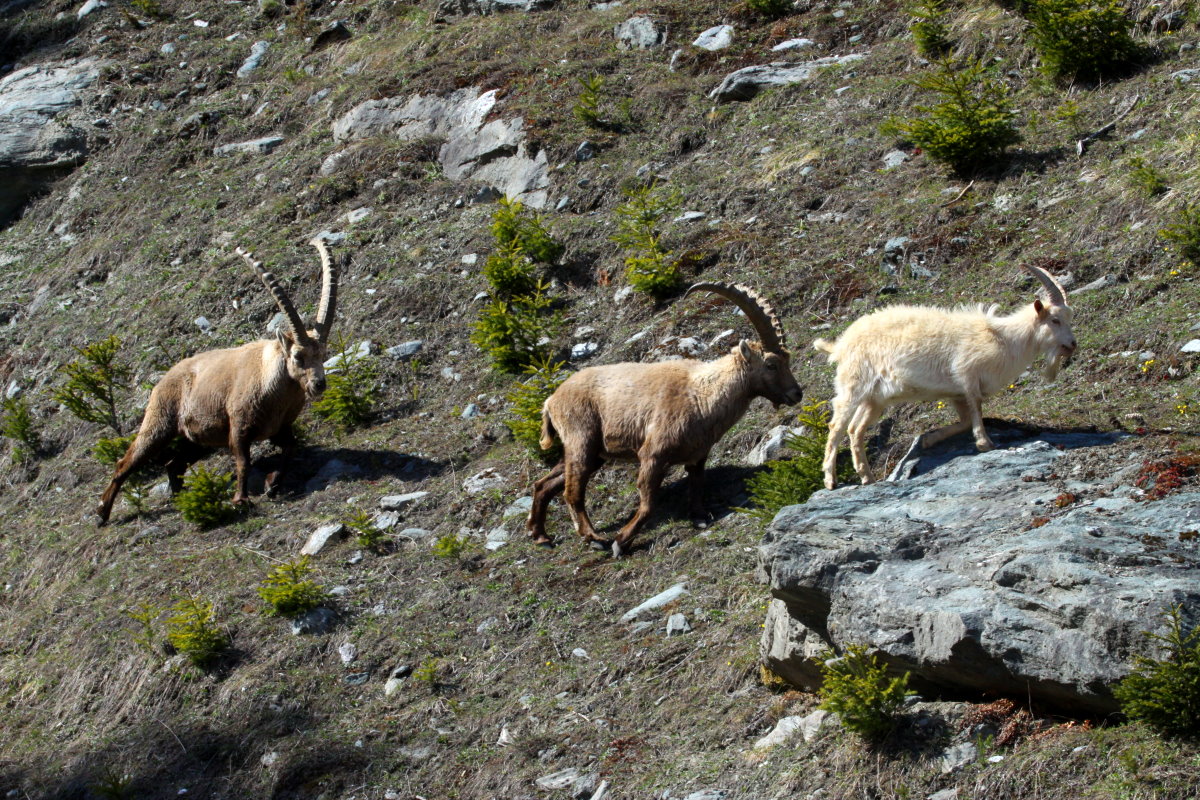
650 477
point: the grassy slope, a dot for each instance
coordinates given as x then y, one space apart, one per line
154 208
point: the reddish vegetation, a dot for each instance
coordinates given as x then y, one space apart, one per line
1160 478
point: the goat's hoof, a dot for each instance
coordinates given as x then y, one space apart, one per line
544 541
599 544
100 519
617 549
984 447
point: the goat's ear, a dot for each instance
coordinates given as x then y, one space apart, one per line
285 339
744 350
1040 308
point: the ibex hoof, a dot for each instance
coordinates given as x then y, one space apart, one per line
617 550
599 544
984 447
544 541
101 520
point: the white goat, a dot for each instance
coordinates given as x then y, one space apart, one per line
916 353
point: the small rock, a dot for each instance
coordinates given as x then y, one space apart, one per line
335 31
690 216
471 411
320 537
638 33
794 44
958 756
257 51
708 794
167 49
204 325
487 625
583 350
415 534
496 538
558 780
363 350
358 215
894 159
257 147
774 445
579 652
783 730
357 678
386 520
1100 283
691 346
1191 347
586 151
622 294
677 625
348 652
395 502
656 602
482 481
315 622
944 794
89 7
716 38
404 352
396 680
810 726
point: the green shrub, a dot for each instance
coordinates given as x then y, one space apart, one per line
193 631
855 686
95 383
113 785
970 126
1082 38
527 398
1184 233
793 480
1165 694
144 637
351 389
204 500
510 272
587 107
649 268
929 29
429 673
771 9
17 424
270 8
289 592
150 8
1145 179
513 225
366 534
450 546
516 332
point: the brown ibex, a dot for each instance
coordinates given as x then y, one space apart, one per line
914 353
231 398
670 412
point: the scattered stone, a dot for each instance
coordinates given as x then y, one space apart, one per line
415 534
586 151
690 216
257 51
482 481
487 625
774 445
386 520
677 625
471 411
204 325
89 7
784 730
256 147
357 678
363 350
559 780
405 352
894 159
1100 283
1191 347
396 680
794 44
638 33
691 346
1186 75
496 538
744 84
315 622
654 603
348 653
622 294
956 757
583 350
358 215
395 502
717 38
944 794
708 794
333 33
810 726
320 537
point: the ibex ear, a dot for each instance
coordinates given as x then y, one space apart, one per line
284 337
747 352
1040 308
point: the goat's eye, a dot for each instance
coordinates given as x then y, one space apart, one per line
771 365
1056 322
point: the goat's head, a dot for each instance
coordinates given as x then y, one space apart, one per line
1054 333
304 350
767 362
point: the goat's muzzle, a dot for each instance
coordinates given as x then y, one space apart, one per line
316 388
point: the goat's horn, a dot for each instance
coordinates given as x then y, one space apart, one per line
1054 289
329 286
281 298
757 310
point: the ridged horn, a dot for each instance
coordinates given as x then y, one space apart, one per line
757 310
1054 290
329 287
281 299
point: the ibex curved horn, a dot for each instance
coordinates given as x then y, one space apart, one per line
764 319
329 287
281 299
1054 289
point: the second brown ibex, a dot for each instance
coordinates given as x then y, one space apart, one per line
234 397
660 414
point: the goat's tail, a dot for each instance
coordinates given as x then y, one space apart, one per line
548 432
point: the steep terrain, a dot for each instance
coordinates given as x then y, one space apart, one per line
476 673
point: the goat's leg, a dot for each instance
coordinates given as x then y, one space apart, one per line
185 454
695 474
140 450
866 416
975 406
837 429
287 443
576 474
945 432
544 490
239 446
650 477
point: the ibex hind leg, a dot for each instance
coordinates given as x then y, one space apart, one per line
577 473
142 449
544 490
287 443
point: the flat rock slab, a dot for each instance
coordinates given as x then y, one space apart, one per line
749 81
979 574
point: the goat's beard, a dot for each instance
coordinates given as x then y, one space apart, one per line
1053 364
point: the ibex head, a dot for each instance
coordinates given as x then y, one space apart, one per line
768 360
304 350
1055 336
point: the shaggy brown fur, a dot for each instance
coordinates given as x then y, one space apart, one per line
661 414
232 398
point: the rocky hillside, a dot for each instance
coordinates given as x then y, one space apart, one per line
142 141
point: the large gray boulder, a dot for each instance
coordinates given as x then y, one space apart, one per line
985 572
37 143
746 83
492 153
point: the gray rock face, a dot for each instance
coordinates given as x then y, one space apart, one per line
37 144
748 82
639 33
972 577
493 153
256 147
257 51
